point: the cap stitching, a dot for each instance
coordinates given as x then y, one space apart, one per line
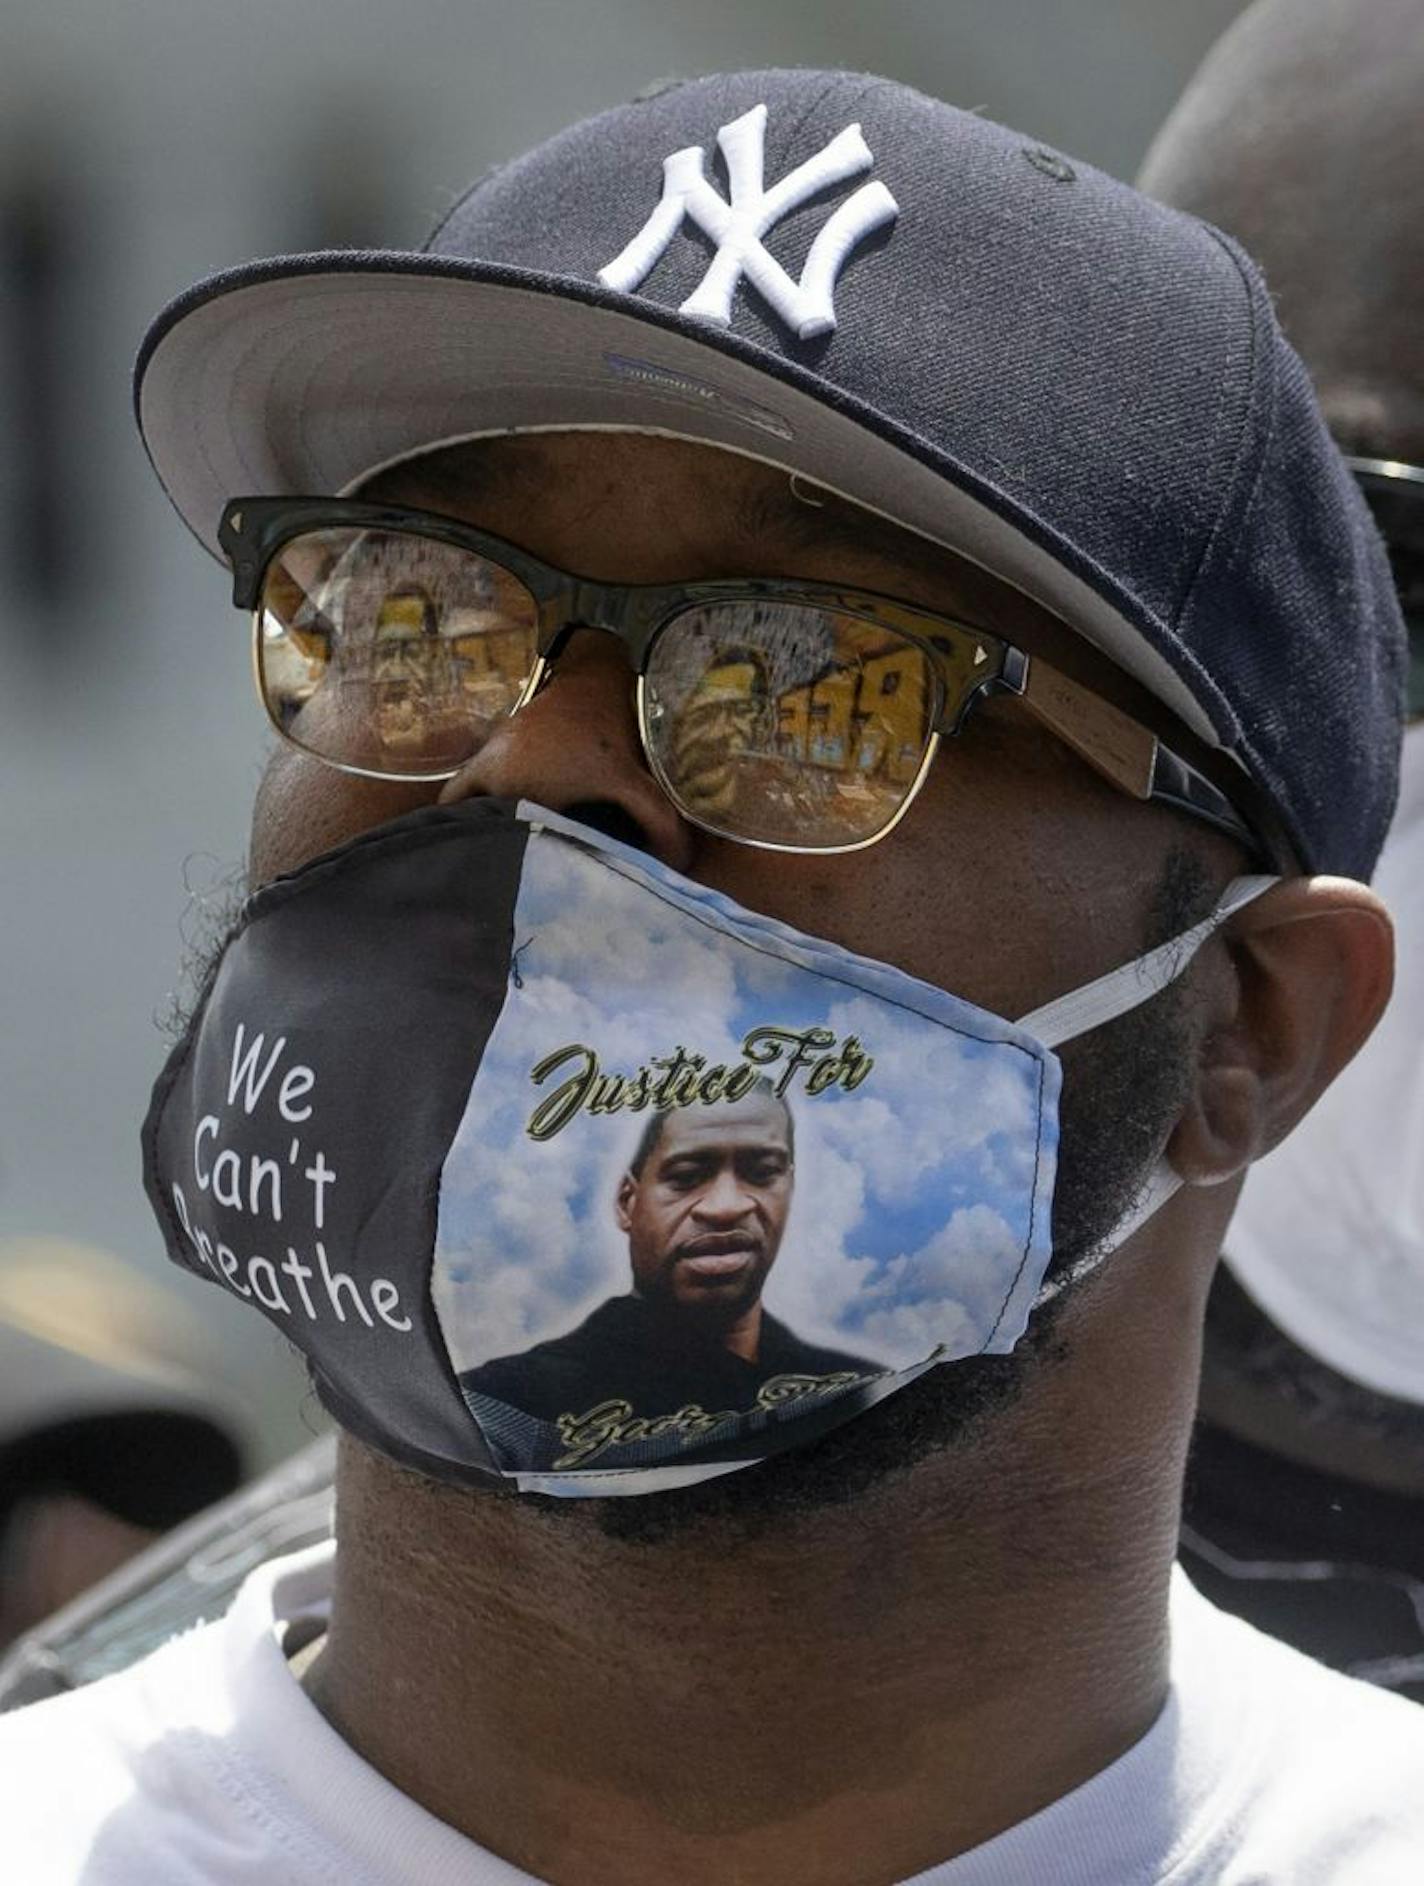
862 84
443 222
1188 601
812 106
1261 768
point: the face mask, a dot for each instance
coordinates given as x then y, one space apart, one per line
562 1168
1329 1234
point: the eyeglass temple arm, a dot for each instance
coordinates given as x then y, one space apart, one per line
1123 751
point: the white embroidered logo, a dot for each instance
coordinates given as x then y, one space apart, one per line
738 227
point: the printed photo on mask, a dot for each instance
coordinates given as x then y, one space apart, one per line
701 1187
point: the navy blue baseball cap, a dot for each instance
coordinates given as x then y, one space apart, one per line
998 348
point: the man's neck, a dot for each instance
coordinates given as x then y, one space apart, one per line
743 1338
847 1697
740 1338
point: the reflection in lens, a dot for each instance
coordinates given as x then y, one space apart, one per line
391 651
787 723
726 719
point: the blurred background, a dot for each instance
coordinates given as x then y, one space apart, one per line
143 146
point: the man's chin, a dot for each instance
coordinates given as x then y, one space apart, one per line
709 1302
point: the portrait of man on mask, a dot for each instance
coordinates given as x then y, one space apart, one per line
703 1205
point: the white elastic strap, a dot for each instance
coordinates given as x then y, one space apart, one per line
1128 986
1112 995
1161 1185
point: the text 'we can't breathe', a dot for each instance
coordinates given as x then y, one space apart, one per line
280 1195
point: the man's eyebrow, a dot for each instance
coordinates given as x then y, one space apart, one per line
806 524
447 479
801 524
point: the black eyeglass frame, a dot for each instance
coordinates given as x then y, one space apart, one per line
1126 753
1389 480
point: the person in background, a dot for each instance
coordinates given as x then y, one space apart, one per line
109 1435
1303 135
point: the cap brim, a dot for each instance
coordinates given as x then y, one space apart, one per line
309 373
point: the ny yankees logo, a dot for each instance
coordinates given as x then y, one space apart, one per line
738 227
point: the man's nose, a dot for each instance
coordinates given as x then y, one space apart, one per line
577 742
725 1200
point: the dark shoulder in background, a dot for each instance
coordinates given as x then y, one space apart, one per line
1313 1554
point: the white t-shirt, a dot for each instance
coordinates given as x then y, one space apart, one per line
206 1765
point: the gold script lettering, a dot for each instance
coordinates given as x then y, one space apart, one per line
614 1424
681 1079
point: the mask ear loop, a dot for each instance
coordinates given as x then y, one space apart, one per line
1114 994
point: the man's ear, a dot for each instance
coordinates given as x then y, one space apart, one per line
1312 964
623 1202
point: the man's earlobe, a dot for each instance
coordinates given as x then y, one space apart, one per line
1313 965
623 1202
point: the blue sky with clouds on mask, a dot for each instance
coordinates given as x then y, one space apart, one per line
913 1193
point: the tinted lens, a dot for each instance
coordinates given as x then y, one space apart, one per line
787 724
389 651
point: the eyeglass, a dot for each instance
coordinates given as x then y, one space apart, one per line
1394 492
792 716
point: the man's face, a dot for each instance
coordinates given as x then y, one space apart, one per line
705 1216
1017 874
